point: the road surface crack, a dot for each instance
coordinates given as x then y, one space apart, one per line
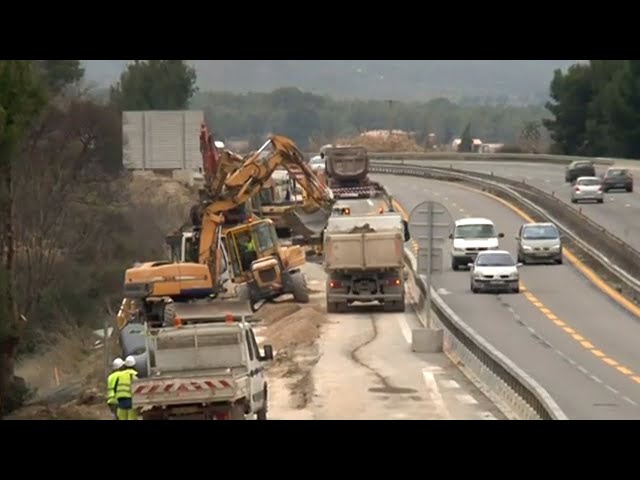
387 386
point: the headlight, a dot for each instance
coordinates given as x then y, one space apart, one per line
555 248
527 248
458 249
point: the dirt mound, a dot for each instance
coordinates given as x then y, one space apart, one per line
383 143
150 188
273 312
298 329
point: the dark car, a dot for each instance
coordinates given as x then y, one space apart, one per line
617 178
579 169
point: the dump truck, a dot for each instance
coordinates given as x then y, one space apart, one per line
347 171
363 258
202 370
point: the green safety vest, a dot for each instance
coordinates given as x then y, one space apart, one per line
111 387
251 247
123 383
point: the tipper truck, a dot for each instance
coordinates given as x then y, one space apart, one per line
364 260
204 370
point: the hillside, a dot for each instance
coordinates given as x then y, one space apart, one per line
518 81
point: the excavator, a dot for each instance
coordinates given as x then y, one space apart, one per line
225 238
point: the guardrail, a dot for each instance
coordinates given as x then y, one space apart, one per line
487 157
504 379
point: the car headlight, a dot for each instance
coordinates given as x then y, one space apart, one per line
555 248
458 249
527 248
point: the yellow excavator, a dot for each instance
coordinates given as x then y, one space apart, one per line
229 240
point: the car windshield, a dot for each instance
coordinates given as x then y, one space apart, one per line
475 231
616 173
582 165
495 260
540 232
589 182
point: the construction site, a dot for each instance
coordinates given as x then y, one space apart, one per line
262 244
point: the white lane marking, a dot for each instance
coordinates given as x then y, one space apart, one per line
443 291
370 202
434 393
595 379
582 369
627 205
450 384
468 399
613 390
404 326
627 399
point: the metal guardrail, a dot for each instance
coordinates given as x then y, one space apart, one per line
487 157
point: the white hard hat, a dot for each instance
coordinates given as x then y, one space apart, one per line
117 363
130 361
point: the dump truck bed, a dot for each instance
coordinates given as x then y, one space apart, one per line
347 163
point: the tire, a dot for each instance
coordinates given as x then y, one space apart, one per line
630 189
516 289
454 265
394 306
332 307
262 413
559 261
299 288
237 412
573 200
601 200
168 315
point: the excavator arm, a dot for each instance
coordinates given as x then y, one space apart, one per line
246 181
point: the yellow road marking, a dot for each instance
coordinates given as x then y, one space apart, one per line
548 313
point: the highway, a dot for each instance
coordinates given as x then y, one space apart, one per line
620 212
363 368
577 343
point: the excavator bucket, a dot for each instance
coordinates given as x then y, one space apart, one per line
306 224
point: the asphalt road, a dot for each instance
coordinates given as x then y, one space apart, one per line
620 212
367 371
576 342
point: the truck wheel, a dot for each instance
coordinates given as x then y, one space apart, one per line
395 306
237 412
299 288
168 315
262 413
332 307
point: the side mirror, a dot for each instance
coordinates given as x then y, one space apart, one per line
407 234
268 353
470 265
518 264
405 274
451 236
501 235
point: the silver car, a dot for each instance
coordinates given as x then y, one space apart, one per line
539 242
587 188
495 270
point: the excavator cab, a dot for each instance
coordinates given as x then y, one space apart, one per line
257 259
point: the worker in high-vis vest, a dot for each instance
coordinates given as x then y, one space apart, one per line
124 392
112 403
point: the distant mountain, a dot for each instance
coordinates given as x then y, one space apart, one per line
515 81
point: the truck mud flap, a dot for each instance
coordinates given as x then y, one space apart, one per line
306 224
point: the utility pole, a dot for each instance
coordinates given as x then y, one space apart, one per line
390 102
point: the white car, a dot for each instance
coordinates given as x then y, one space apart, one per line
587 188
470 236
495 270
